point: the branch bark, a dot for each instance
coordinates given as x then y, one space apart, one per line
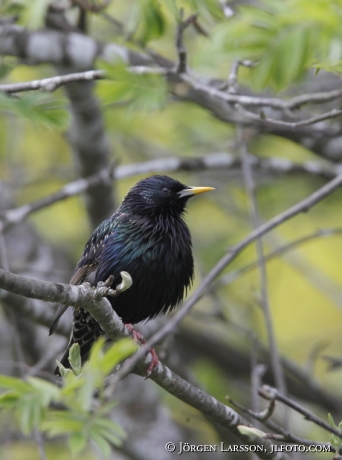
51 84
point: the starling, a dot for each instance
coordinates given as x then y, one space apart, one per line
148 238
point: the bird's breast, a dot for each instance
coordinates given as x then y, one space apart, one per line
161 267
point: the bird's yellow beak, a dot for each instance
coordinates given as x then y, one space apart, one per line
189 191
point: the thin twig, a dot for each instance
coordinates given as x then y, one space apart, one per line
38 437
250 187
3 252
232 82
260 416
44 360
286 436
199 28
287 124
258 371
51 84
181 50
255 101
232 276
17 215
270 393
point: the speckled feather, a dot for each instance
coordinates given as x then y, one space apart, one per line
148 238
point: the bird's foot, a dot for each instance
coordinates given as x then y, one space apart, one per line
139 338
154 362
104 288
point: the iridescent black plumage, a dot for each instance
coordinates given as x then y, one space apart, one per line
148 238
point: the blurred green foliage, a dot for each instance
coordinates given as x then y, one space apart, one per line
138 92
84 417
335 441
38 109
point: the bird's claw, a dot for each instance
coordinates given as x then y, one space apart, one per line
154 362
139 338
104 288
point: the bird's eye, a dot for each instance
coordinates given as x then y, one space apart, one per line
165 190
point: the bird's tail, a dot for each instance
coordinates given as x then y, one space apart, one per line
85 332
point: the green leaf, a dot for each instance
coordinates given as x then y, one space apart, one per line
97 351
109 425
71 384
92 381
30 413
46 390
151 21
334 439
145 92
29 399
37 108
13 383
101 443
118 352
285 38
109 430
207 9
9 399
290 54
77 443
58 422
75 358
106 408
331 421
62 370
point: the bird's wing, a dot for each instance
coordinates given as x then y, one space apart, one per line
84 272
81 274
86 268
57 318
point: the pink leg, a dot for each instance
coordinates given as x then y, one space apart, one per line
139 338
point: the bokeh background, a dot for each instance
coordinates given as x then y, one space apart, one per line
297 47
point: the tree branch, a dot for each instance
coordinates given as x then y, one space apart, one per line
270 393
51 84
285 435
80 51
264 300
14 216
88 298
214 161
292 125
181 50
232 276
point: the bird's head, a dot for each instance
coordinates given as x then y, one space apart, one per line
158 194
